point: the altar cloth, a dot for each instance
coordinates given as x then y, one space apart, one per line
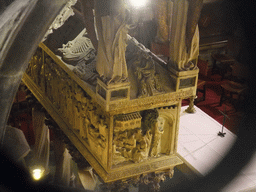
202 149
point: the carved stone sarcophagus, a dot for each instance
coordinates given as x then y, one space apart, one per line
123 130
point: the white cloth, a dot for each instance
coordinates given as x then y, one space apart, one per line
63 160
88 179
42 139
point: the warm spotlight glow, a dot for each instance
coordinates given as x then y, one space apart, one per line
138 3
37 174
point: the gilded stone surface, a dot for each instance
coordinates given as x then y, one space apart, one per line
83 115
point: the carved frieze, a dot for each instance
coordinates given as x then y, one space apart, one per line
84 116
146 167
148 102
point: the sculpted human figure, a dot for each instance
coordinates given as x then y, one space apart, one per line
140 152
146 74
112 31
84 129
41 77
69 111
119 141
63 98
115 143
56 84
77 116
101 141
48 77
36 66
102 127
156 139
129 145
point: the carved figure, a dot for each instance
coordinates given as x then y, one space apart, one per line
184 34
142 145
69 112
93 131
78 50
41 78
63 99
133 143
120 139
36 65
77 115
153 128
148 79
49 77
112 33
96 131
80 53
93 117
157 131
56 84
87 71
102 127
102 141
129 145
84 129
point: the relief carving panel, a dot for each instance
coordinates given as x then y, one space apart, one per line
143 135
85 117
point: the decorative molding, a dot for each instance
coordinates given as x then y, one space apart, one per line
151 102
145 167
152 179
